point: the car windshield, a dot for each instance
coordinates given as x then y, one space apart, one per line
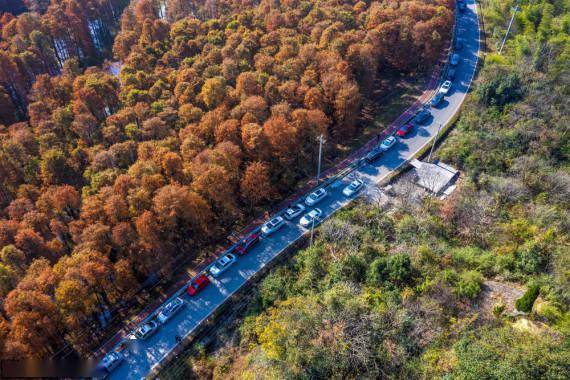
274 222
354 184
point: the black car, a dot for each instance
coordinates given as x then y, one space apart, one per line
422 116
451 74
458 44
461 6
374 154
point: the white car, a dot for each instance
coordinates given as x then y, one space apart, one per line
112 360
222 264
353 188
169 310
315 197
454 61
445 87
294 211
307 220
146 330
388 143
272 225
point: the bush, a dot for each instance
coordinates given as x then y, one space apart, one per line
399 269
500 90
525 303
469 284
377 271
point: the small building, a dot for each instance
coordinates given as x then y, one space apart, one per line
435 177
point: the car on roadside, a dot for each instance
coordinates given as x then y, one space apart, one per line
222 264
169 310
422 116
315 197
198 283
272 225
451 74
146 330
458 44
461 6
374 154
437 99
294 211
112 361
353 188
445 87
455 59
388 143
245 244
404 129
310 217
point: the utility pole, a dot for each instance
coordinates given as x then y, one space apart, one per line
508 29
433 145
321 141
312 231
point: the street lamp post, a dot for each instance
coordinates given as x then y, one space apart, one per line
321 141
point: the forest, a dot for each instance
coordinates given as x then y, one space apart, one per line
106 180
405 292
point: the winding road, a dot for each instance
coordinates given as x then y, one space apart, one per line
141 357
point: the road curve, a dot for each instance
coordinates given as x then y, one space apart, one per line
142 356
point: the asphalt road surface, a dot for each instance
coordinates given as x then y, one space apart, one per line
142 356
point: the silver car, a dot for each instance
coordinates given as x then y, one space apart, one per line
388 143
353 188
315 197
313 215
169 310
294 211
112 360
222 264
146 330
272 225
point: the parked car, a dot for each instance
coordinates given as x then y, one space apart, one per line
388 143
198 283
169 310
313 215
112 361
353 188
461 6
272 225
445 87
315 197
294 211
454 61
437 99
451 74
247 243
458 44
222 264
146 330
374 154
405 129
422 116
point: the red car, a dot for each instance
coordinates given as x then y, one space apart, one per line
198 284
246 243
405 129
